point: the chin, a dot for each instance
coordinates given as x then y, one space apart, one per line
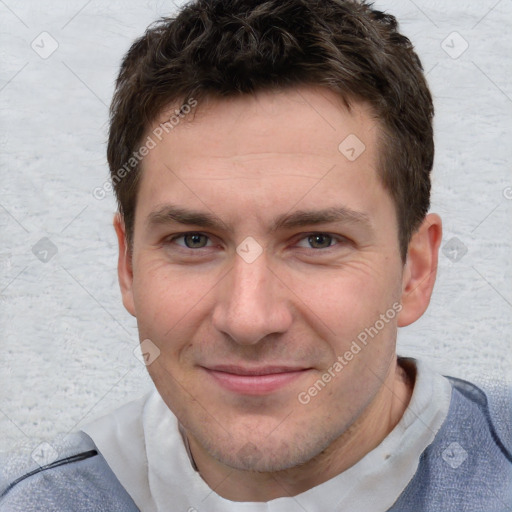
265 455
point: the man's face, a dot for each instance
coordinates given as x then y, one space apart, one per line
247 326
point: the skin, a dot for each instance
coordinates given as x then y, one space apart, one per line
246 162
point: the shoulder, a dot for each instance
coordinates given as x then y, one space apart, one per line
75 476
489 403
481 416
468 466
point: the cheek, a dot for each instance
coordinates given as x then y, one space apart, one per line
163 297
347 299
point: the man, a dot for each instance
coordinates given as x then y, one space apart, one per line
271 162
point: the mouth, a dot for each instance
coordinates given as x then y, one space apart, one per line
254 381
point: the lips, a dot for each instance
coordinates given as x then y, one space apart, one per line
254 381
263 370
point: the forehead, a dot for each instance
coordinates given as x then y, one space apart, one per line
273 147
310 119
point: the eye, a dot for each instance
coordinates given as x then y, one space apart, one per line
320 241
191 240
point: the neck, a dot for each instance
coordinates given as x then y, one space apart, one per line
377 421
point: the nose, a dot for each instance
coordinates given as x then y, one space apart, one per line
251 302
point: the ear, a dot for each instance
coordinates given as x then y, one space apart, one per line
420 270
124 265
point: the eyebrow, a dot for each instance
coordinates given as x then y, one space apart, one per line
301 218
170 213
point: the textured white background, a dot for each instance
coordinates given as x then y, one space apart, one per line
66 342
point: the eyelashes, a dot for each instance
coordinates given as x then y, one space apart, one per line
193 236
316 241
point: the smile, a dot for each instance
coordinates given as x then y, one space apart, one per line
254 381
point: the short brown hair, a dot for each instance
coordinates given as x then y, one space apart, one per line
232 47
